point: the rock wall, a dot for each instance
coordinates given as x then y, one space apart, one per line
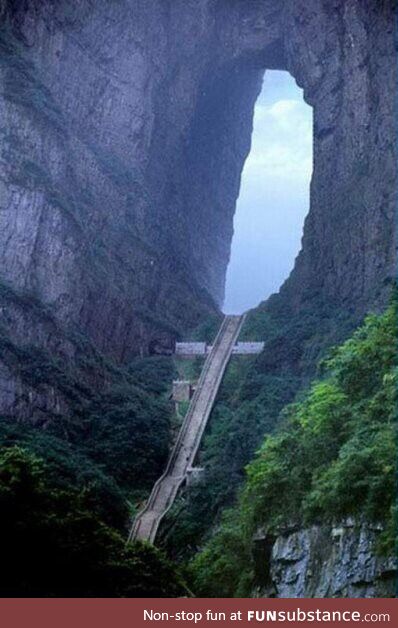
343 54
325 561
124 128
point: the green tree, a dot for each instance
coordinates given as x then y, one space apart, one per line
53 544
334 455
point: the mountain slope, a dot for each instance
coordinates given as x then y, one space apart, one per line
333 457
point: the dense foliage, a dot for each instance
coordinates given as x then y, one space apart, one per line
334 456
97 463
252 395
124 429
207 330
54 544
236 428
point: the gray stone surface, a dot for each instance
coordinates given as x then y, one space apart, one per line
328 561
182 390
188 349
248 348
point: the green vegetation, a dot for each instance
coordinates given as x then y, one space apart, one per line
124 429
68 466
333 456
117 441
246 407
252 396
253 393
207 330
98 464
100 441
189 368
54 545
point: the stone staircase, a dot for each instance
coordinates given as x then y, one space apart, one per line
164 492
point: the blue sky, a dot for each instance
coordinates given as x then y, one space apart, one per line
274 195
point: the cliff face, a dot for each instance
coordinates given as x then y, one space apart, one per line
339 561
343 54
125 126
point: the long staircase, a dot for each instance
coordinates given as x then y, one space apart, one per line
182 457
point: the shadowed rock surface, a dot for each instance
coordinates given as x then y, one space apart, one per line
324 561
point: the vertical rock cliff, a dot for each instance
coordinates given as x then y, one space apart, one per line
326 561
344 56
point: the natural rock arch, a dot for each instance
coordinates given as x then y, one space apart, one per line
151 106
342 55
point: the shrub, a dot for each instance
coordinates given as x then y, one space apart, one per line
53 545
333 456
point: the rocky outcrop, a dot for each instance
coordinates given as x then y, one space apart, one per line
125 126
325 561
343 55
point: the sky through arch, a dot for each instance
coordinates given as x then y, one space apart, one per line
274 194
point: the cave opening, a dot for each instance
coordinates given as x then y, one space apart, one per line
274 194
